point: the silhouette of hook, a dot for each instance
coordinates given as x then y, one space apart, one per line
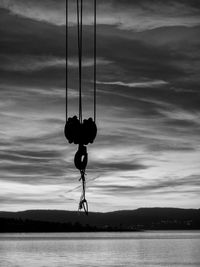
81 158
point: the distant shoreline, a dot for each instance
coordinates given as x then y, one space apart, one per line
124 231
142 219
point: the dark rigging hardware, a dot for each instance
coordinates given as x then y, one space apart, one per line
78 131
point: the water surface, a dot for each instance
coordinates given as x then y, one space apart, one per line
171 248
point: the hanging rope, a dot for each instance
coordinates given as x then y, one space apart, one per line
78 163
67 37
79 131
80 43
95 56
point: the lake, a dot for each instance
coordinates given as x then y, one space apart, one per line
152 249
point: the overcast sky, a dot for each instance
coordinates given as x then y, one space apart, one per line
147 152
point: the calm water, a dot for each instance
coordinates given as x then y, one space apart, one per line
100 249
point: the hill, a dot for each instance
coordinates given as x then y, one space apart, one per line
127 220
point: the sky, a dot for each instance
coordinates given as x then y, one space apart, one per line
147 150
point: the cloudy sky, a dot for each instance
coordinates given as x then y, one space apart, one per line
147 152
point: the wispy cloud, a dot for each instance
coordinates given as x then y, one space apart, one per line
87 62
30 63
130 14
46 10
137 84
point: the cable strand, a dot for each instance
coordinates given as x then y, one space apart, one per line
79 33
81 48
95 56
67 37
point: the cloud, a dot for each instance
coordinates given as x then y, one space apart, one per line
123 14
27 37
87 62
30 63
47 10
130 14
136 84
182 185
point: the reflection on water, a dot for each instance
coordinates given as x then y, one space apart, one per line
100 249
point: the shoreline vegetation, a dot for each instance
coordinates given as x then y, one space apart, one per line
119 221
